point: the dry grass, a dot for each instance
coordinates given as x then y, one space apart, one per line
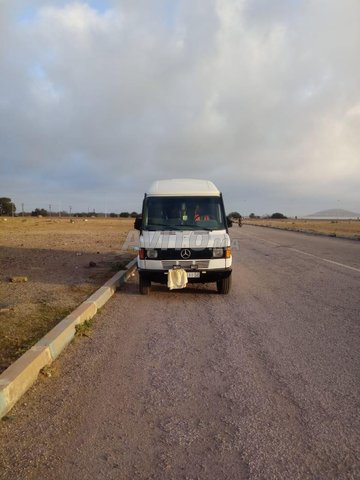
16 231
54 254
338 228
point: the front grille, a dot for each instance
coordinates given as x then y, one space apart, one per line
166 264
174 253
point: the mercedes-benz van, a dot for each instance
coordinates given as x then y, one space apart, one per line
183 226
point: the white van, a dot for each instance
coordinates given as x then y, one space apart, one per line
184 226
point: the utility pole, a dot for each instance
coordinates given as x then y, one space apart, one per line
70 208
22 209
50 210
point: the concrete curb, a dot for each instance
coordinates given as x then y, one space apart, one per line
20 376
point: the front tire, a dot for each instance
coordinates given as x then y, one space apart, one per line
144 285
224 285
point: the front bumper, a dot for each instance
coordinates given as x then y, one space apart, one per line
206 276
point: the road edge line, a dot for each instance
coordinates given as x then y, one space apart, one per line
306 232
22 374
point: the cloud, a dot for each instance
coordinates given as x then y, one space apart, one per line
97 99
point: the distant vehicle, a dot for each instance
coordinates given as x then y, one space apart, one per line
184 226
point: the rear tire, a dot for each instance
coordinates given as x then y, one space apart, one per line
144 285
224 285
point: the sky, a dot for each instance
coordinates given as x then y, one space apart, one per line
100 98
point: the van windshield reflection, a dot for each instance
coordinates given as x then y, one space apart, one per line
183 213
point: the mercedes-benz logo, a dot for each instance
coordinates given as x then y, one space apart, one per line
185 253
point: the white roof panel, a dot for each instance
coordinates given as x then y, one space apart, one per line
183 186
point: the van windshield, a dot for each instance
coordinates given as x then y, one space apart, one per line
183 213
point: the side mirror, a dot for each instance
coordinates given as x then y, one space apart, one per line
138 223
229 222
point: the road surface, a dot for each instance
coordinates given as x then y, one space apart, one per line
260 384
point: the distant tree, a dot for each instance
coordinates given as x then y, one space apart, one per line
133 214
7 207
124 214
39 211
277 215
234 215
113 215
252 215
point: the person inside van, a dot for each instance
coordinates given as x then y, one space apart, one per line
200 214
173 215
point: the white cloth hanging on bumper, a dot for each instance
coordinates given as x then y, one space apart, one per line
177 278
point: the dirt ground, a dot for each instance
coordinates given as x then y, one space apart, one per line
54 254
336 228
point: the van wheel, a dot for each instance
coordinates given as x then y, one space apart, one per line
224 285
144 285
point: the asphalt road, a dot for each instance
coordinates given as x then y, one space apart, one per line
260 384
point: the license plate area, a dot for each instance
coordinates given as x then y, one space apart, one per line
193 274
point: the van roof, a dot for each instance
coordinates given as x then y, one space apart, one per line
183 186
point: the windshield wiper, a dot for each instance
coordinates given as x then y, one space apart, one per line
155 226
198 227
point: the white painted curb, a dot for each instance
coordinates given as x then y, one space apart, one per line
19 377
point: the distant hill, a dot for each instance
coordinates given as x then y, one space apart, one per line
335 213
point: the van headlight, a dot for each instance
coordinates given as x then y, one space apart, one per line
218 252
151 253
